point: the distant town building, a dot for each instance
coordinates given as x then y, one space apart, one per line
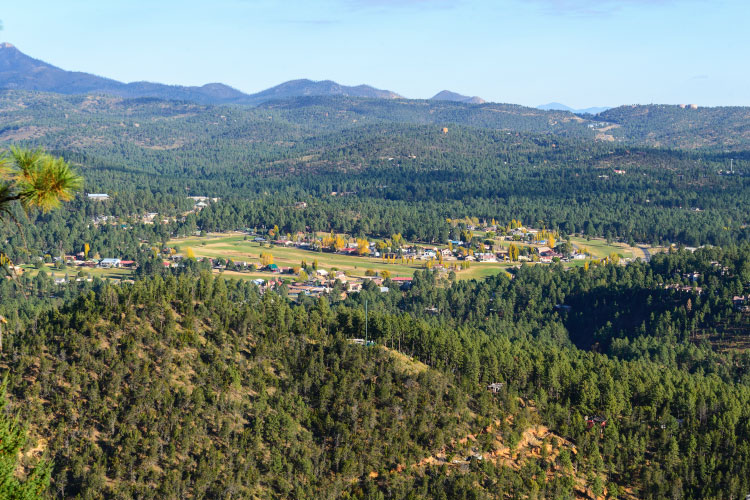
98 196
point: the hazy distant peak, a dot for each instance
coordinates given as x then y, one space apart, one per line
556 106
447 95
21 72
306 87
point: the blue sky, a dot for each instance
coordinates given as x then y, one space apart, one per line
579 52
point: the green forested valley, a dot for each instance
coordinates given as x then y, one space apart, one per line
182 377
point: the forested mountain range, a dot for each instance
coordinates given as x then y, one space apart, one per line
721 128
21 72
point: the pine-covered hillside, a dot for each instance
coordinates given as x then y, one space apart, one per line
186 386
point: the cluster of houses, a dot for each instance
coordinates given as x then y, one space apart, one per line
319 281
684 288
458 251
692 277
201 202
323 282
79 260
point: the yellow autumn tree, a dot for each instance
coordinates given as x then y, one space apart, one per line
189 253
513 252
339 243
266 259
363 246
397 240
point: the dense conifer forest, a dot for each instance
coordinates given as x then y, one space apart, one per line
608 380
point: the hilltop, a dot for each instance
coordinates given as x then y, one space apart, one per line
304 87
447 95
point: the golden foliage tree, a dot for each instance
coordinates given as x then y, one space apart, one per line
339 243
363 246
513 252
266 259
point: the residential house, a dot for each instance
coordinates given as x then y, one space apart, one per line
486 257
495 387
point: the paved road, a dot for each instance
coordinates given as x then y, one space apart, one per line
646 253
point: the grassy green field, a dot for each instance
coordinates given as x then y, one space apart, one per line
239 249
599 248
484 270
236 247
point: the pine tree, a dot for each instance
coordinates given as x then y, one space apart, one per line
12 440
